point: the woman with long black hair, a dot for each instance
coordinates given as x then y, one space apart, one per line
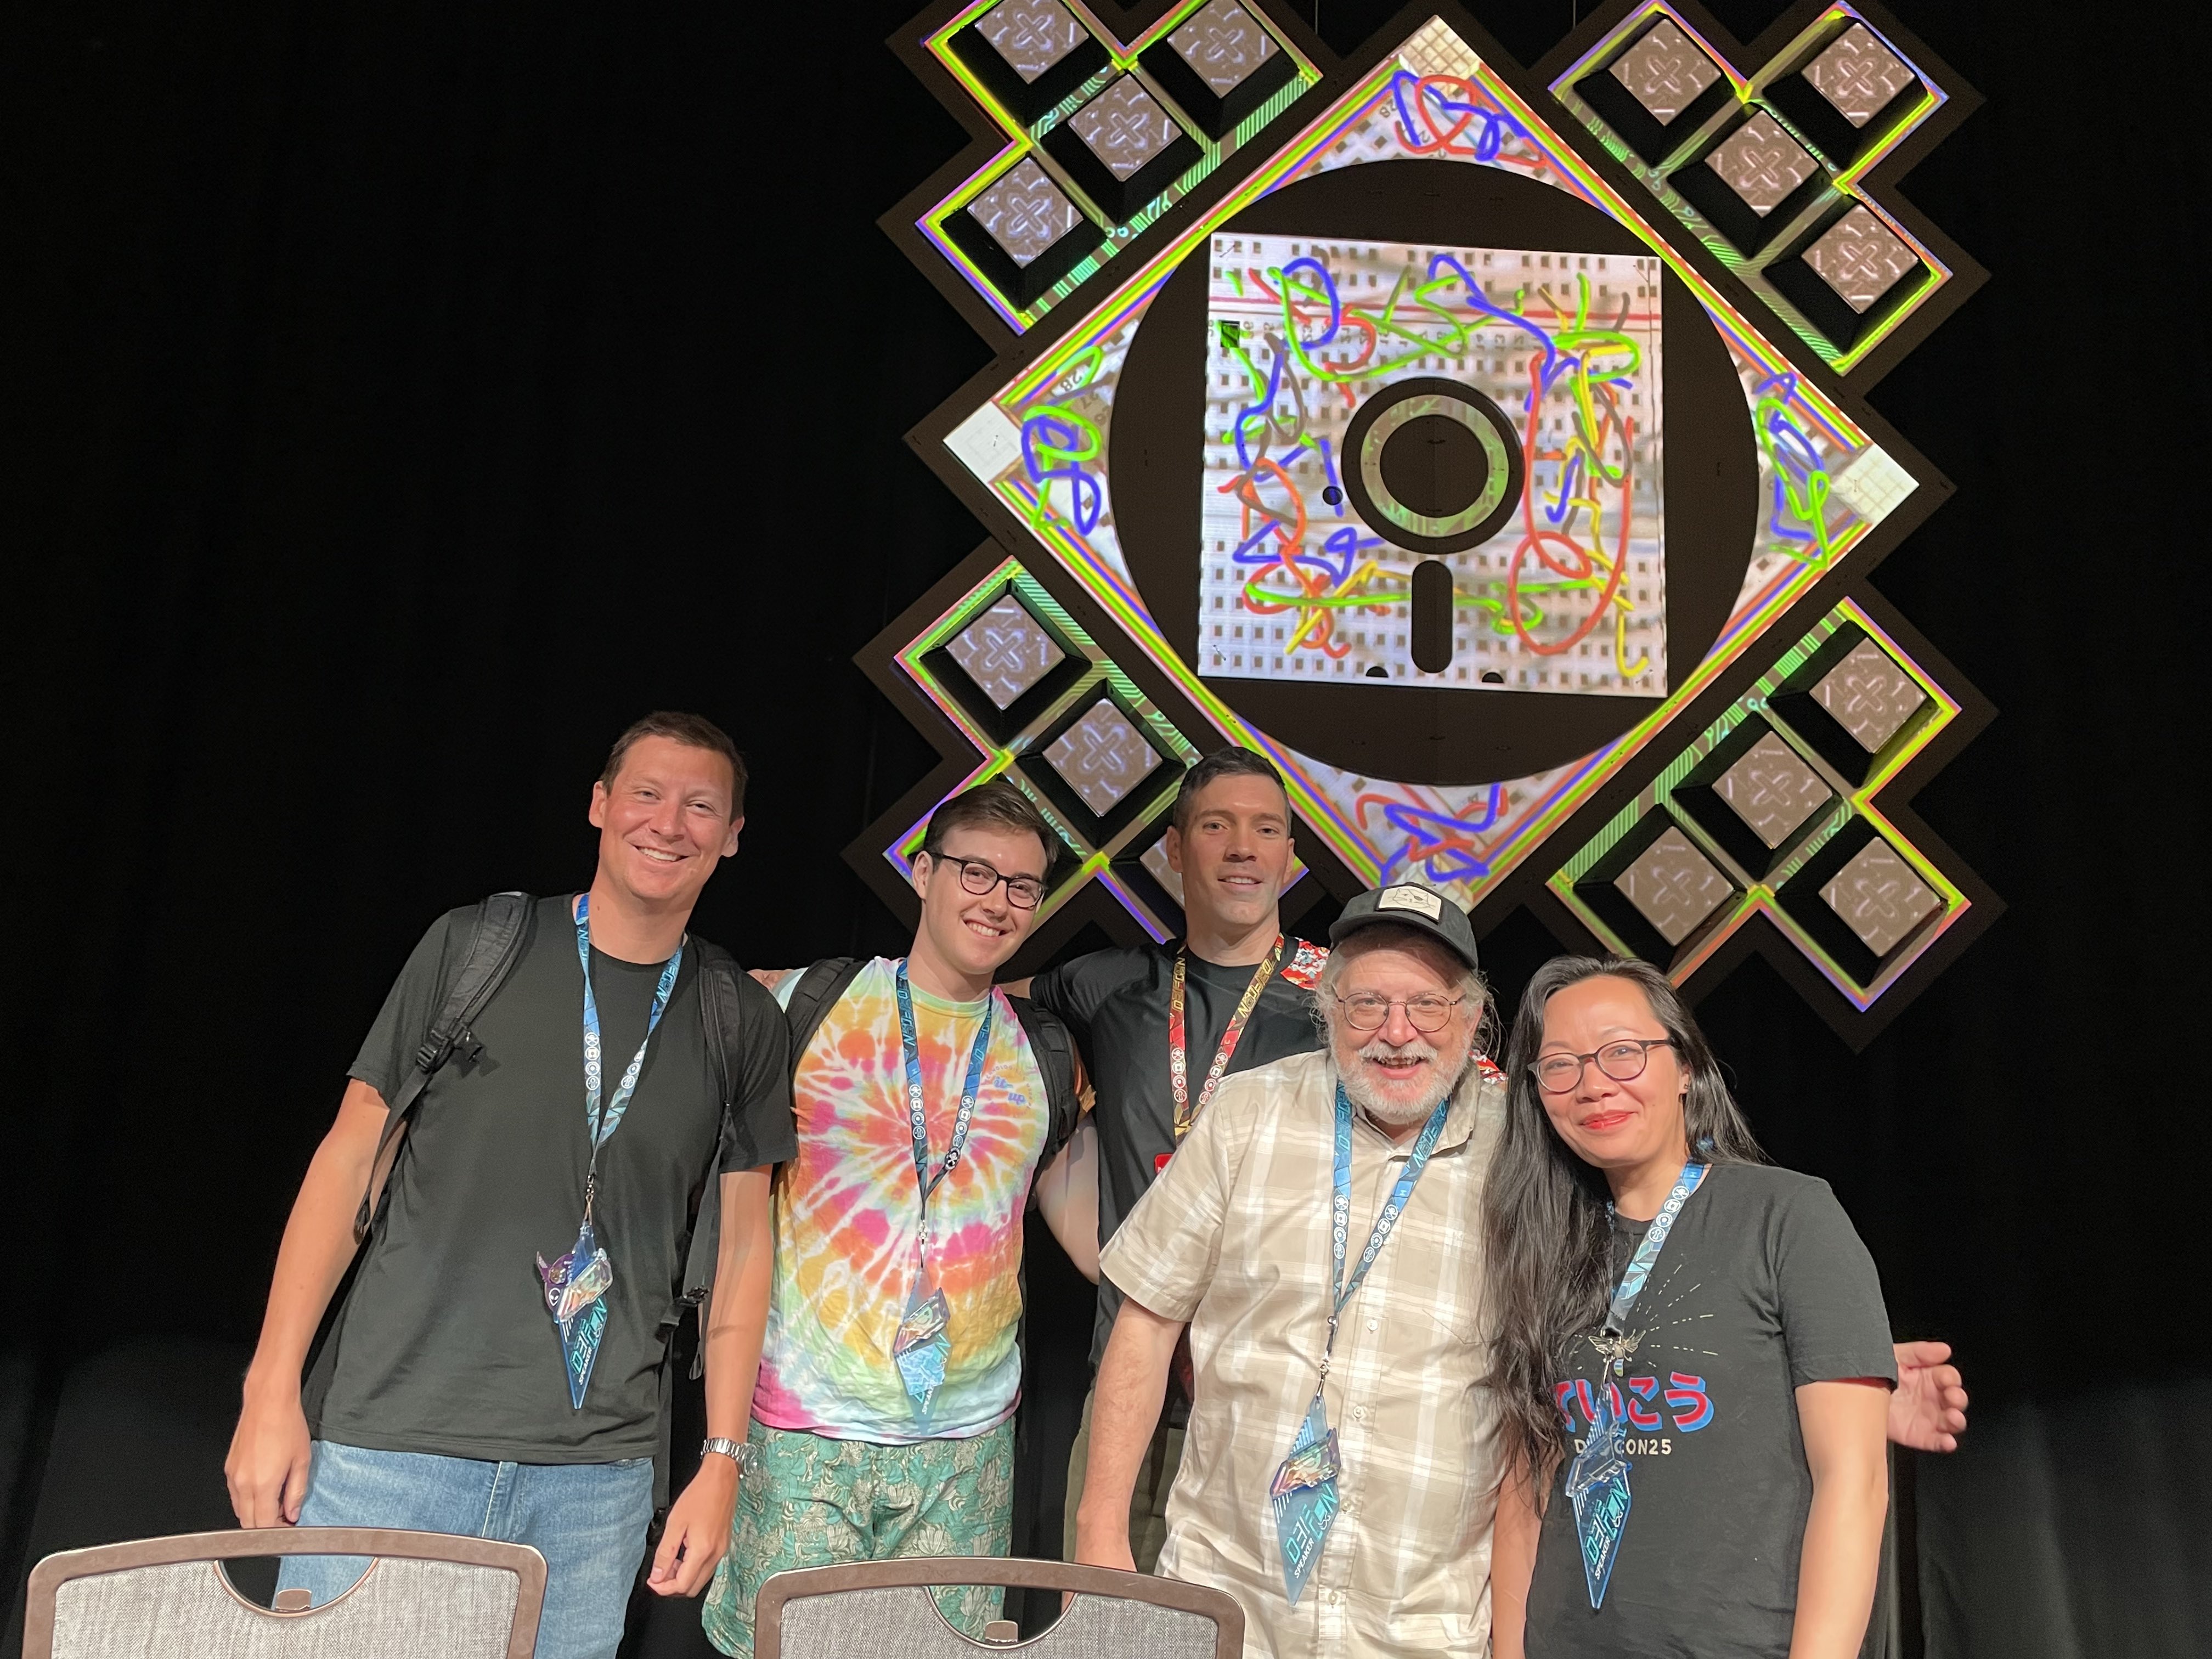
1693 1359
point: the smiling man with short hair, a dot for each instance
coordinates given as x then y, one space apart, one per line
884 1423
499 1365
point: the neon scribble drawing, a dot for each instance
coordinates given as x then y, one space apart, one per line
1560 349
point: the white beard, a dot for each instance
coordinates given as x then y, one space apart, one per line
1398 1114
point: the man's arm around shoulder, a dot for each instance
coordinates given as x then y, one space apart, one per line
267 1467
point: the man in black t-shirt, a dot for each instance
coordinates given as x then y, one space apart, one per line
458 1399
1231 842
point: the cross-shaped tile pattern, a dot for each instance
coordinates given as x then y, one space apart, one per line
1125 127
1664 71
1762 164
1004 650
1860 258
1878 896
1025 212
1858 74
1102 756
1031 35
1673 885
1869 696
1223 46
1771 789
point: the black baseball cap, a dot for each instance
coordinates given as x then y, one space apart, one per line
1409 904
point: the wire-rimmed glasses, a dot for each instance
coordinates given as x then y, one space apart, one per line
1367 1011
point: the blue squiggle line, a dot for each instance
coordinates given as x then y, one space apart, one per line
1086 495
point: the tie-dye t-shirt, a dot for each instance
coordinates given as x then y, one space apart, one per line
847 1213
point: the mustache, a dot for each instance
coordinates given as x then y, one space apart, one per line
1384 1053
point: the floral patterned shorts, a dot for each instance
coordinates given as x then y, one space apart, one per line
813 1502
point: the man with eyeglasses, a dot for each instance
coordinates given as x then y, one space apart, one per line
1314 1233
882 1420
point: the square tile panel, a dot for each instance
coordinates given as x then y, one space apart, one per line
1664 71
1103 756
1125 127
1869 696
1772 789
1858 74
1031 35
1025 212
1762 164
1880 897
1673 885
1004 650
1155 860
1860 258
1223 46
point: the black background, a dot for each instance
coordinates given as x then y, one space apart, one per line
397 400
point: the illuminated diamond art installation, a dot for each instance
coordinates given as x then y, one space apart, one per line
1333 395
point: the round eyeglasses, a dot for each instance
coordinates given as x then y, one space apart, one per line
1365 1011
979 878
1623 1061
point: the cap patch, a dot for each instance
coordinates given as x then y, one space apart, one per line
1419 899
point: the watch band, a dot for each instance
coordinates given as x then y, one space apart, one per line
737 1451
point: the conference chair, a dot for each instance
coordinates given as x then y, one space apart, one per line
883 1610
425 1594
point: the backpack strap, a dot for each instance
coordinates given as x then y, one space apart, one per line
721 1020
489 945
492 943
813 997
1055 1048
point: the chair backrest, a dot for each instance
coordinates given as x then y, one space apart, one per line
870 1608
426 1594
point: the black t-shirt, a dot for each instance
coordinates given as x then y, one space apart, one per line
1763 1285
1116 1002
446 1345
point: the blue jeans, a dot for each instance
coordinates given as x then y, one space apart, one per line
587 1519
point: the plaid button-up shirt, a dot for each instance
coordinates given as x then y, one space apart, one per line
1234 1237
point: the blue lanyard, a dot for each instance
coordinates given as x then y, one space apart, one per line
1647 1253
917 1117
1340 1209
602 1124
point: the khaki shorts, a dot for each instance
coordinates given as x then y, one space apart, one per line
1148 1503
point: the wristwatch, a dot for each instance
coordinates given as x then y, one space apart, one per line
739 1452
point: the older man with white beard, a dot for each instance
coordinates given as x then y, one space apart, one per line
1317 1232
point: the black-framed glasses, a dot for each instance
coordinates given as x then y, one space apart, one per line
1366 1011
979 876
1623 1061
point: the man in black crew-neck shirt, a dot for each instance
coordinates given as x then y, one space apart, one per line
450 1404
1231 842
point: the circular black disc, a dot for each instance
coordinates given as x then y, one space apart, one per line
1419 733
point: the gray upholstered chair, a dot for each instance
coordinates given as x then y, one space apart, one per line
426 1595
883 1610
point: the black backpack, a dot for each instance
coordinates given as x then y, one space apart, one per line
820 986
489 943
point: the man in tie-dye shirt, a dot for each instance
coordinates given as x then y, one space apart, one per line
883 1422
